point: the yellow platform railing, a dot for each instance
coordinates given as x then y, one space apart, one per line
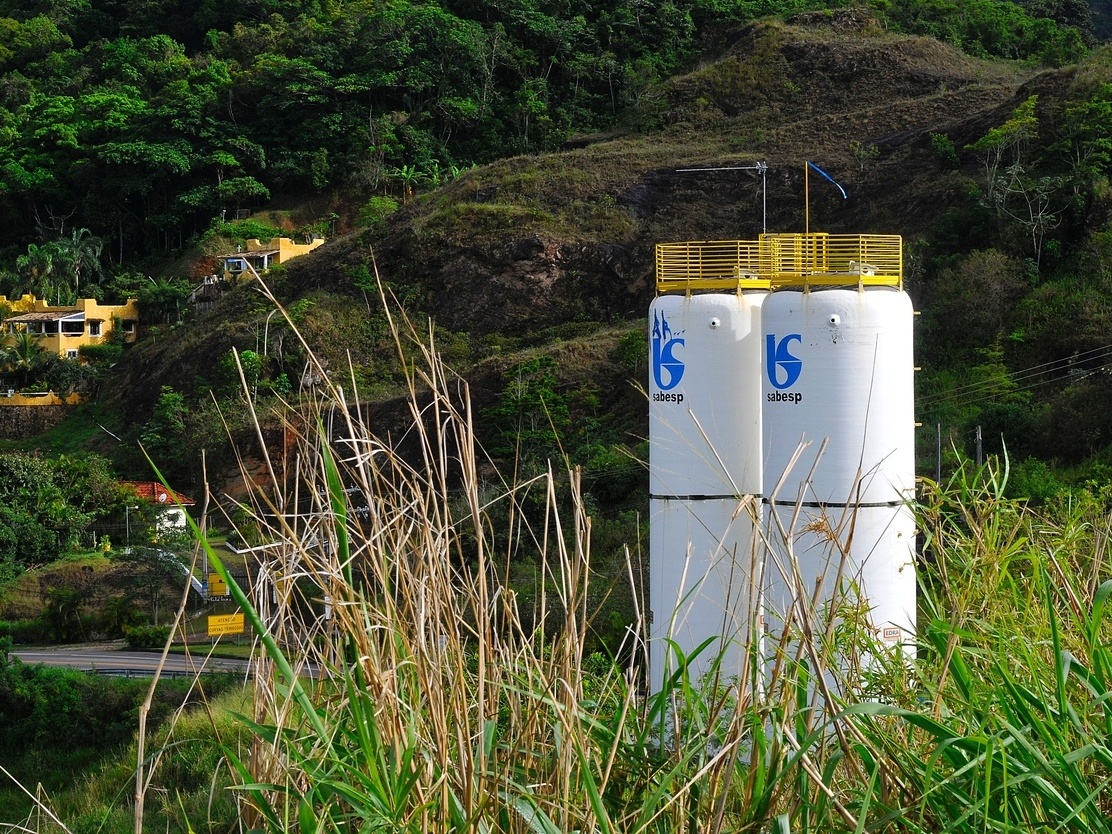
708 265
780 260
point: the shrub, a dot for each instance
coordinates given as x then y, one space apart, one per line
23 632
241 231
147 637
376 212
632 351
103 354
943 150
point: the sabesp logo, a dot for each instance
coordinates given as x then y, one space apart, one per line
783 368
667 369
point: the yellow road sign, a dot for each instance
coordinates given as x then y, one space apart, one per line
217 586
225 624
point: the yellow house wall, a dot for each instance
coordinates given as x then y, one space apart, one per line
24 304
286 248
46 398
93 310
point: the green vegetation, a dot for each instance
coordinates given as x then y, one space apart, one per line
468 689
358 104
169 122
63 728
483 638
457 705
46 504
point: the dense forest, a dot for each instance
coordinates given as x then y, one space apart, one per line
145 122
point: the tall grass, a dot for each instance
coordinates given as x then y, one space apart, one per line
403 687
444 708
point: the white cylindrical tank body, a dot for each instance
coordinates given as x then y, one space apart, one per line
838 376
704 477
704 586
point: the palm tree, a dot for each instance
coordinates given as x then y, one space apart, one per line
22 354
37 266
81 253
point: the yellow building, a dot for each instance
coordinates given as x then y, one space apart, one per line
64 330
260 257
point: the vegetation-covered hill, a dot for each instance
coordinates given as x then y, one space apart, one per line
142 121
993 170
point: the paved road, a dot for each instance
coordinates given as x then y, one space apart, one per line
110 662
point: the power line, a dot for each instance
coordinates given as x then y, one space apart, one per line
990 390
974 392
994 390
1034 370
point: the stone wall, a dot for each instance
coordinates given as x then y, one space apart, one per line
22 421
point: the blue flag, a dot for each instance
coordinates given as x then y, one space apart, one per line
817 168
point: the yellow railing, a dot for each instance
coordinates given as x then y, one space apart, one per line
780 260
708 265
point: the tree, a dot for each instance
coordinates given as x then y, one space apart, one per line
163 436
226 379
1010 190
1084 142
38 522
151 576
532 413
121 613
81 253
1004 147
973 303
1028 202
37 268
23 355
161 300
87 481
62 614
240 190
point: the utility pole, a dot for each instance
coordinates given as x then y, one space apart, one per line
127 525
938 454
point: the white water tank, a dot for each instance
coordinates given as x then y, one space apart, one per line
704 479
838 377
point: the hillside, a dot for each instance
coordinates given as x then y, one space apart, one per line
533 255
532 242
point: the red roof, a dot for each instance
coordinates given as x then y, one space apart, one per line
156 493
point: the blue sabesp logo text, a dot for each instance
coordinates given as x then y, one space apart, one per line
667 369
783 367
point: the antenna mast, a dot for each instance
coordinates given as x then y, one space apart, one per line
761 168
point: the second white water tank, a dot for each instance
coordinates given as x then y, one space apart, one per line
839 462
